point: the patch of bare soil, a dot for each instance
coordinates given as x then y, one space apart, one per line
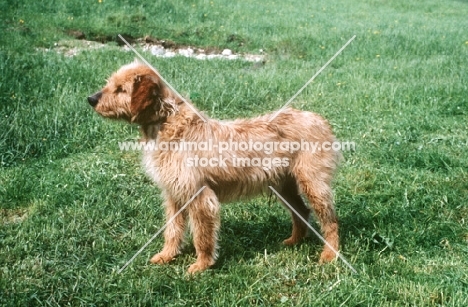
154 46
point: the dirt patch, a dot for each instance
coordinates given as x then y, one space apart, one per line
168 49
156 47
12 216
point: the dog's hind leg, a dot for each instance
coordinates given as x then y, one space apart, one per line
290 193
173 234
316 187
205 223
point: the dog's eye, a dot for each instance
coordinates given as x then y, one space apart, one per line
119 89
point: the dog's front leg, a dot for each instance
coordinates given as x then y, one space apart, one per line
205 224
173 234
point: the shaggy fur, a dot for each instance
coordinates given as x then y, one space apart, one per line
136 94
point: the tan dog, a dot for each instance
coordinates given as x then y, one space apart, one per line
136 94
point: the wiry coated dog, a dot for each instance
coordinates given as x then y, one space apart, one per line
136 94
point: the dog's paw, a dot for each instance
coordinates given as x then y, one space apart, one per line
200 266
291 241
197 268
161 258
327 256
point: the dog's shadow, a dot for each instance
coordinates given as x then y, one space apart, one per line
241 240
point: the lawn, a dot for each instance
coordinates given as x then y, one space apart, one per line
74 208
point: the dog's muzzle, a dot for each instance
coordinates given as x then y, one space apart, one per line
94 99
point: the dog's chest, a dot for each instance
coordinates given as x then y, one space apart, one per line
151 166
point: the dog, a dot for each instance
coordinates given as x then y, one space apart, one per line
136 94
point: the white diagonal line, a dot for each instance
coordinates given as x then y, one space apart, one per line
161 77
160 230
311 79
312 228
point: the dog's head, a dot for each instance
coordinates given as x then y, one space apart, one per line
136 94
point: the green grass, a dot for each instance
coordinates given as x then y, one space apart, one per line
74 209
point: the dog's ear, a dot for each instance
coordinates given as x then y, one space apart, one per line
146 92
151 100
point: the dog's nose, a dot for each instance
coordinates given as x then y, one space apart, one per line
94 99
